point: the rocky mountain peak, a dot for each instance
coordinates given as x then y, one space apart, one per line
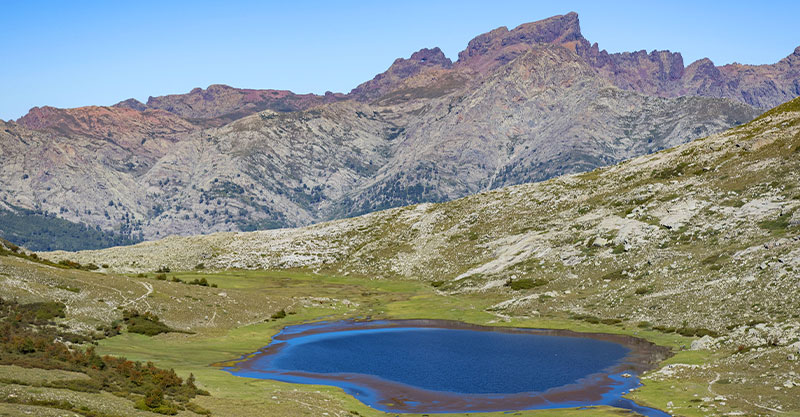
131 103
703 68
39 117
103 121
211 93
794 57
424 58
430 57
219 104
557 29
402 69
495 48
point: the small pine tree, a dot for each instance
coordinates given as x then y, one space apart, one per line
154 398
190 382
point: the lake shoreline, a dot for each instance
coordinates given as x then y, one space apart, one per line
594 389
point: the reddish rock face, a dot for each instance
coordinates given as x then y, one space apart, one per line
498 47
104 122
40 117
132 103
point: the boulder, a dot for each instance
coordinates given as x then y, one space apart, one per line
703 343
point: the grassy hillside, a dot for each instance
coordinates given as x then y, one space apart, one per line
641 241
696 248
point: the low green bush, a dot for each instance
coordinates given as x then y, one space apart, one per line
145 323
525 283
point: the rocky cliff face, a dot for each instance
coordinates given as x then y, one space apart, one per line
544 114
518 106
500 46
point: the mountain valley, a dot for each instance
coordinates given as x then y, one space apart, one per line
155 256
518 106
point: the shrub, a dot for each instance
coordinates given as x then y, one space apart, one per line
777 225
525 283
68 288
154 402
671 172
203 282
736 202
43 311
197 409
145 323
279 315
713 259
33 343
66 263
69 264
687 331
12 247
614 275
595 320
695 331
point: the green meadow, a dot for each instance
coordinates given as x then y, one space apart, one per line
204 352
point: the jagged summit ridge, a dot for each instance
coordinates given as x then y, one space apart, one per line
500 45
660 72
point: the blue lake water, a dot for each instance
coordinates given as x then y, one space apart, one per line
462 361
446 368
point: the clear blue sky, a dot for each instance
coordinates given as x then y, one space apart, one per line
69 54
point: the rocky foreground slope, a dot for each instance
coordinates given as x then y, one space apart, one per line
517 106
702 238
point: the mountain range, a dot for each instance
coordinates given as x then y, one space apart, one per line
701 240
518 106
537 182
